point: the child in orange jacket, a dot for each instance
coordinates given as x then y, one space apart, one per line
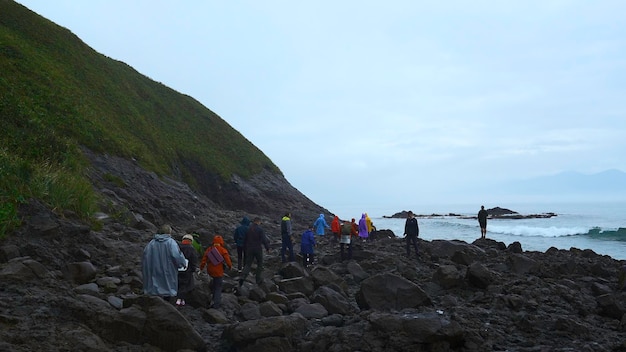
215 268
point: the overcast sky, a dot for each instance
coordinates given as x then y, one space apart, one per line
380 106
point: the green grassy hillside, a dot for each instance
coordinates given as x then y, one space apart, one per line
57 94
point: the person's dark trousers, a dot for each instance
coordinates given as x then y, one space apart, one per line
409 240
250 257
216 291
307 259
287 245
343 257
241 257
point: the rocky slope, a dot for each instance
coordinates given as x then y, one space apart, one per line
67 286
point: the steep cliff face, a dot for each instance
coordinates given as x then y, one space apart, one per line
130 192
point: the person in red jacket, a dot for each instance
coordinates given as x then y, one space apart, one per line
335 228
215 268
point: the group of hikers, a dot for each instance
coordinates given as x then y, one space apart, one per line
344 233
168 267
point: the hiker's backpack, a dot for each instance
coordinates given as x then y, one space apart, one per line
215 257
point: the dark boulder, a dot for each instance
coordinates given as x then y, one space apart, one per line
389 291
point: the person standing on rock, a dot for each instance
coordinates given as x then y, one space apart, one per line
482 221
185 277
215 268
363 233
254 243
306 247
286 238
320 225
160 263
411 232
240 238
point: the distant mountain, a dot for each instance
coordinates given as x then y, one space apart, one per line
605 184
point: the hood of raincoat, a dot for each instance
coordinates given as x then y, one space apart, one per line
160 237
245 221
217 239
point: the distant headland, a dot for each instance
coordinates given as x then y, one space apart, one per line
494 213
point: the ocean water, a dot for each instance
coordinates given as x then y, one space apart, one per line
600 227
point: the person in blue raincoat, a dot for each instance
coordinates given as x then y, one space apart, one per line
161 260
320 225
306 247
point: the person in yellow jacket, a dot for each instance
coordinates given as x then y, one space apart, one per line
368 222
215 267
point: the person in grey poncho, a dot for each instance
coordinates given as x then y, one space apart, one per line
160 263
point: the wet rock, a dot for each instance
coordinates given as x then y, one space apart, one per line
269 309
521 264
333 301
312 311
23 269
297 284
88 289
479 276
389 291
245 333
420 327
152 320
447 276
612 305
9 252
80 272
250 311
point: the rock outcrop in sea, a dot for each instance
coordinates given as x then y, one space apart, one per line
494 213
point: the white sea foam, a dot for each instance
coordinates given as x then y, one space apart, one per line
574 226
534 231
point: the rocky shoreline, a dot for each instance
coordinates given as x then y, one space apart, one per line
456 296
67 286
